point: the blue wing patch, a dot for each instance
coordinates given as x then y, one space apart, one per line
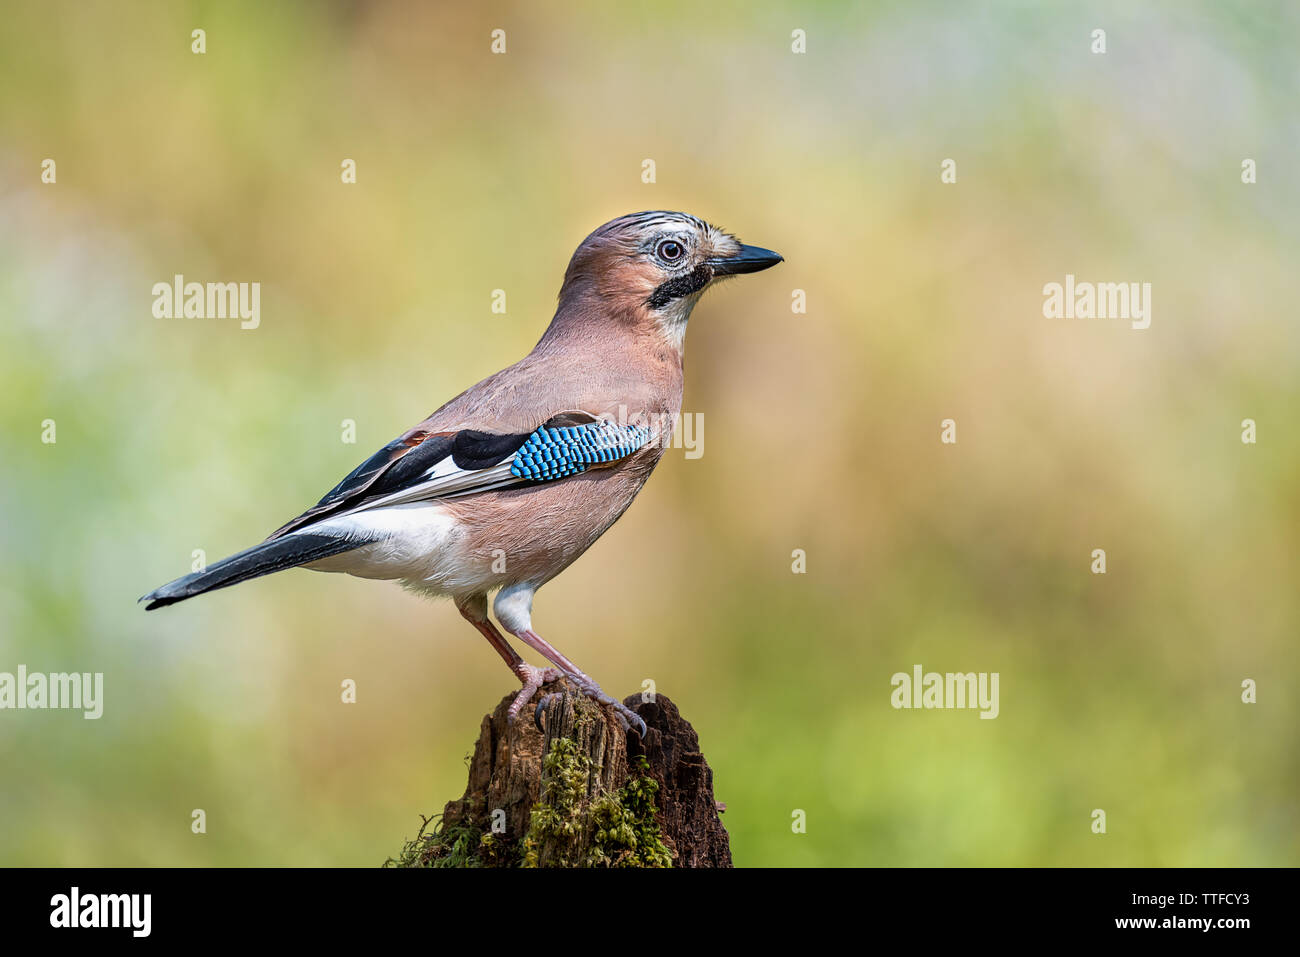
550 454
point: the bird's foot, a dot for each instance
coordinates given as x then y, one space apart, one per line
533 678
629 719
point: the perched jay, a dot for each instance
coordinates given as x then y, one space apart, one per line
509 482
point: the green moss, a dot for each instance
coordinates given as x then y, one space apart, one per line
613 830
565 828
466 843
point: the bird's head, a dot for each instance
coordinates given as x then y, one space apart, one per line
651 268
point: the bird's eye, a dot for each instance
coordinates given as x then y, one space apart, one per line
670 251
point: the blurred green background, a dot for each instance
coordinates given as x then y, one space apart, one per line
477 172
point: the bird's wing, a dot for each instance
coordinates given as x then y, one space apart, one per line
421 465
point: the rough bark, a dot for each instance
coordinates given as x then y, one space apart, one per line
579 793
688 815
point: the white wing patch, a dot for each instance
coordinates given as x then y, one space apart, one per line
447 479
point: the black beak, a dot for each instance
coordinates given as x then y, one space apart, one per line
749 259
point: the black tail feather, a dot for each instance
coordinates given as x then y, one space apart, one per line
263 559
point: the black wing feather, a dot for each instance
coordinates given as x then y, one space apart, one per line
405 460
366 472
475 450
407 455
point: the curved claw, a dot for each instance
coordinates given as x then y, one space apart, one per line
639 727
537 713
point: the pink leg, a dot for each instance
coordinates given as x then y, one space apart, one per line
589 687
474 611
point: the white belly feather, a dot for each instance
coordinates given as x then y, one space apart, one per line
423 547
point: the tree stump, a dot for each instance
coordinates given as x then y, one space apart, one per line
583 793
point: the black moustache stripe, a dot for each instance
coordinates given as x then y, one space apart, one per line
679 286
